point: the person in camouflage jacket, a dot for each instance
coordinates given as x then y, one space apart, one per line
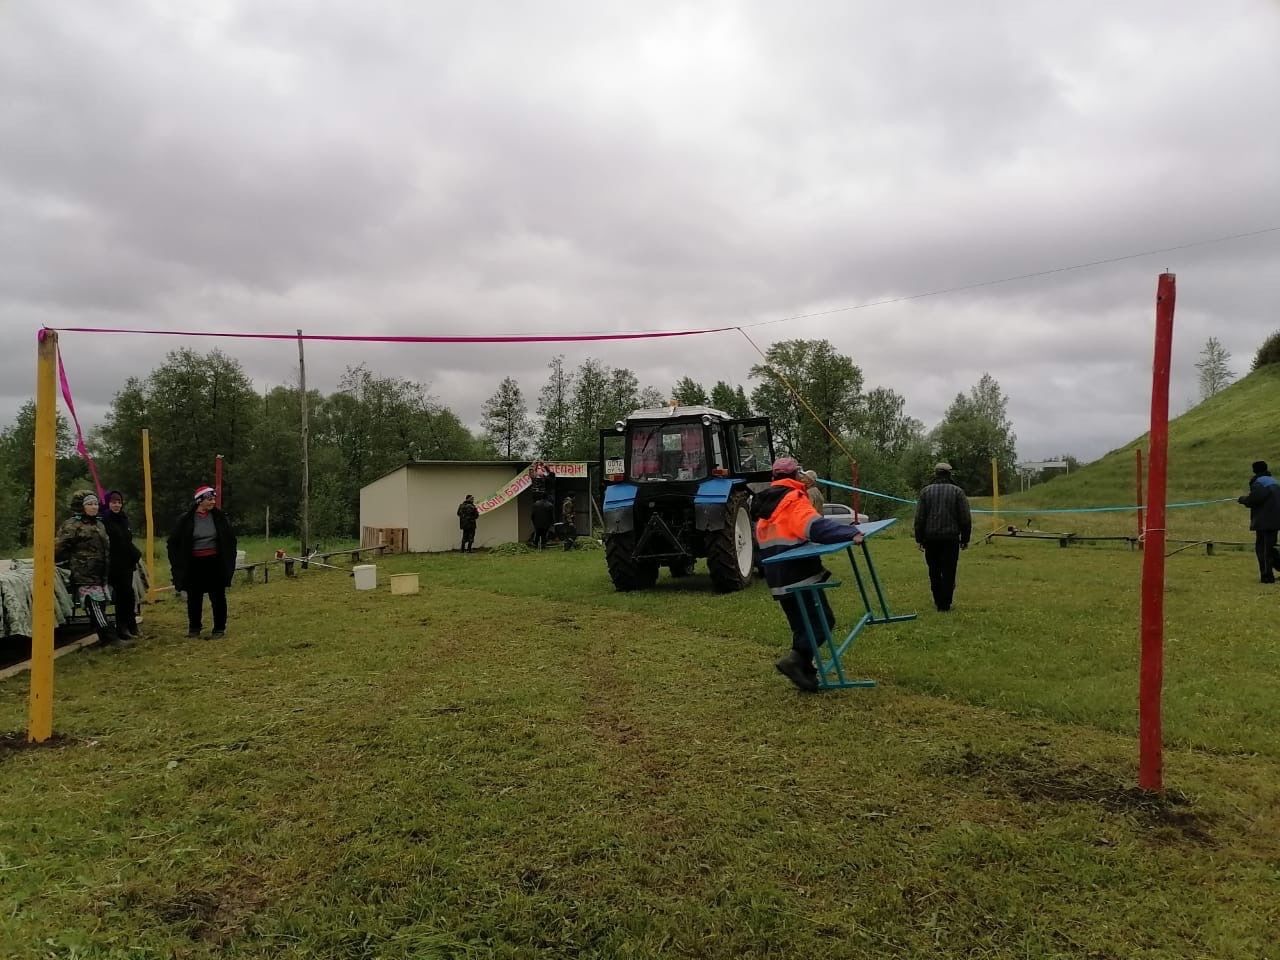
82 544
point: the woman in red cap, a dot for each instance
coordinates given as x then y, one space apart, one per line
202 557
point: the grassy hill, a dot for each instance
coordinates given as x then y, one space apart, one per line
1210 449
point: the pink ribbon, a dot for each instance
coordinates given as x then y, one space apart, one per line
373 338
81 447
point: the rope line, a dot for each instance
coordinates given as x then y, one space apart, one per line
1030 511
380 338
796 393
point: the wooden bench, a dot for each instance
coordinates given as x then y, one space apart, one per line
356 554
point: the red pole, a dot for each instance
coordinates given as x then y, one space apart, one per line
1151 673
217 481
1138 483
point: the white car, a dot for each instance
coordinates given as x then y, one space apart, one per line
842 513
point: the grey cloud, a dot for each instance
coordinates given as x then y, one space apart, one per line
434 168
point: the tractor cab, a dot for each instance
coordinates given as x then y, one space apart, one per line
677 487
686 445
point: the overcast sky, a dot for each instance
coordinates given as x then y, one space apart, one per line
437 168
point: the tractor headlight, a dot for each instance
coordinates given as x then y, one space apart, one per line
706 419
619 426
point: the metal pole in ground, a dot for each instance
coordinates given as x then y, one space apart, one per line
306 470
151 523
995 494
1138 482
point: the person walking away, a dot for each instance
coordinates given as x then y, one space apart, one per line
124 557
811 490
943 527
569 519
202 558
83 545
1263 501
544 517
468 514
785 519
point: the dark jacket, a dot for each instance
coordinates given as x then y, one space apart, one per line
468 514
543 515
180 541
82 544
124 555
785 519
943 514
1263 501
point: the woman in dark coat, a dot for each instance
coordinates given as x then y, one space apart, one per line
202 558
82 544
124 557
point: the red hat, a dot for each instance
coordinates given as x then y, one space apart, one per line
204 491
786 467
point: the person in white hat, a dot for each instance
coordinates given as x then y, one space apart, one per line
202 558
943 528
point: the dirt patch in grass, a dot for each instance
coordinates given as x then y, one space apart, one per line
1034 778
214 915
13 741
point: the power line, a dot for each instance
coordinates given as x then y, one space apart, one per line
1021 276
660 334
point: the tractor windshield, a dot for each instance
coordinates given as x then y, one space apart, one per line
673 451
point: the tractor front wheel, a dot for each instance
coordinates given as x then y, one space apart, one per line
625 571
731 552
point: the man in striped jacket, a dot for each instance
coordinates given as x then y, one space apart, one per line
785 519
943 527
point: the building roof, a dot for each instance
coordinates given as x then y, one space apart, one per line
509 464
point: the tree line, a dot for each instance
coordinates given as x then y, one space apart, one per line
196 405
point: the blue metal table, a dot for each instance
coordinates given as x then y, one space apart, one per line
831 668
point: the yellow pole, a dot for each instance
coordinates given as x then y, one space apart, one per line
995 494
151 525
40 721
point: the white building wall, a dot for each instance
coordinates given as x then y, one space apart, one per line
435 490
385 502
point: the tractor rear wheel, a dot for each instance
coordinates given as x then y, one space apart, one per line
731 550
625 571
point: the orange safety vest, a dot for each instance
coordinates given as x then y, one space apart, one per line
788 525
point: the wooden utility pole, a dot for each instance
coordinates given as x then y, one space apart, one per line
306 471
40 723
1151 670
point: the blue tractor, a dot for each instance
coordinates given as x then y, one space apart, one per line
677 487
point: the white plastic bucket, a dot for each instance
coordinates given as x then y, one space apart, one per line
240 559
366 576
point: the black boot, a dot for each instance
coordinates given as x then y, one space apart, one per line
799 669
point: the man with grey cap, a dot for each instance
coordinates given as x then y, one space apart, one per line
943 527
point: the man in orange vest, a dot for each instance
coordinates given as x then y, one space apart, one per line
785 519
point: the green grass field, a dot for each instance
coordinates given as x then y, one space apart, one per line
519 762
